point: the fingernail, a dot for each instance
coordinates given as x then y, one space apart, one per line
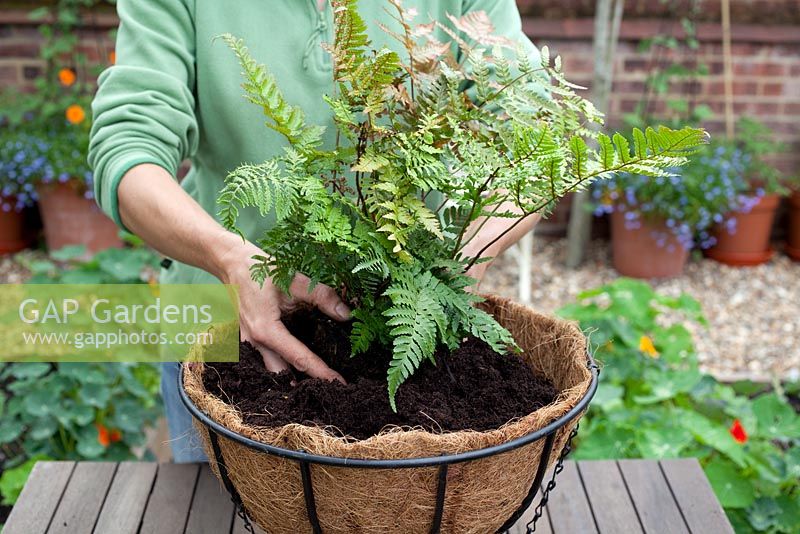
343 311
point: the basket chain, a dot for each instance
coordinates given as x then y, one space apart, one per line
248 526
551 484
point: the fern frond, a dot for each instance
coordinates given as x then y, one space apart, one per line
350 38
414 318
262 89
247 186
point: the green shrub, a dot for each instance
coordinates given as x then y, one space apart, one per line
654 402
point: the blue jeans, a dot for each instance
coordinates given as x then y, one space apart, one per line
184 439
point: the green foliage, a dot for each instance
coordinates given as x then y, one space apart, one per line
111 266
13 480
68 79
758 142
77 411
669 78
476 123
654 402
55 409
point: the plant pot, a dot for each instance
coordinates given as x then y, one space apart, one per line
749 244
12 230
71 219
637 252
793 237
299 478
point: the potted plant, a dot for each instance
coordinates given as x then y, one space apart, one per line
655 223
22 160
57 111
793 234
66 199
425 149
748 242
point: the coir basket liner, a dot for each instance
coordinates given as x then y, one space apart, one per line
480 494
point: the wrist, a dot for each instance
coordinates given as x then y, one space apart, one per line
230 258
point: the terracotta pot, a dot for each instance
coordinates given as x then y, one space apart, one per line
12 230
636 252
749 244
71 219
793 240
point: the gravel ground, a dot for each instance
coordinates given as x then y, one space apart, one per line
754 313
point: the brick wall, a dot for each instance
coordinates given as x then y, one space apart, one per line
766 57
20 40
766 64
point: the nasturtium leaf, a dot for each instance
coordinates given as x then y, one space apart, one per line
89 445
85 372
39 402
730 487
79 276
712 434
41 267
30 370
776 418
74 413
662 441
10 430
96 395
70 252
127 417
43 428
664 386
608 396
788 517
762 513
604 443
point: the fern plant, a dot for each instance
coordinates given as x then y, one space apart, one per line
429 145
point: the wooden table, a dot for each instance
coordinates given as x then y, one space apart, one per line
626 496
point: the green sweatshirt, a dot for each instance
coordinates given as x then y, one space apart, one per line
175 92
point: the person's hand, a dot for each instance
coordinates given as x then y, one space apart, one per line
478 270
260 310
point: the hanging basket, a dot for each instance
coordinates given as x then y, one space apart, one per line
298 478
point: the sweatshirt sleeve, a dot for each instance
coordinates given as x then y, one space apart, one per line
507 23
506 20
144 109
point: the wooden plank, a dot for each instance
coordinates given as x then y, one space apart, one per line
169 503
238 526
82 499
700 507
39 498
652 497
568 506
608 497
542 524
212 509
127 498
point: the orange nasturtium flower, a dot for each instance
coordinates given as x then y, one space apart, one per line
738 432
75 114
106 437
66 77
112 57
646 346
103 435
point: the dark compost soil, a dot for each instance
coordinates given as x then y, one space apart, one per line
471 388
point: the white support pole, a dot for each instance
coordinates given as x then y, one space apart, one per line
524 255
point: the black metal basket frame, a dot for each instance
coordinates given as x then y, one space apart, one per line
305 460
